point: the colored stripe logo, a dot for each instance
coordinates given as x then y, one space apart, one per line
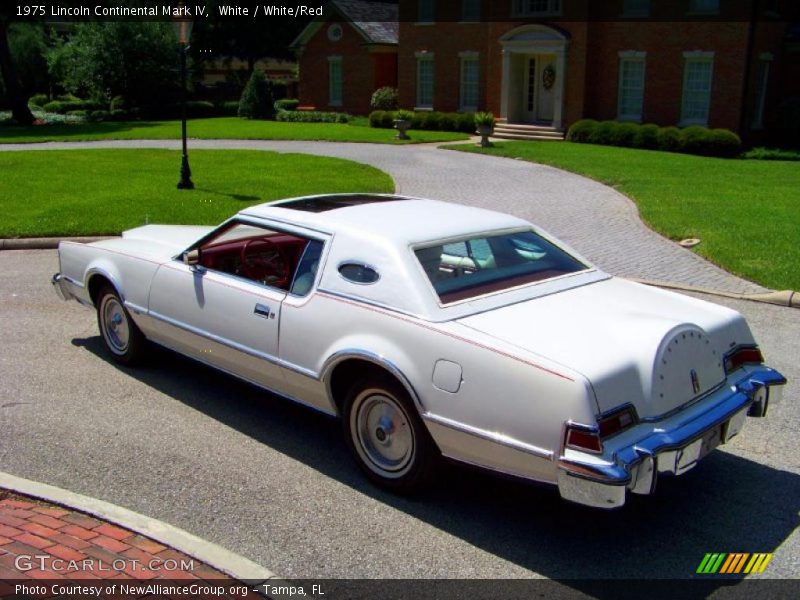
734 562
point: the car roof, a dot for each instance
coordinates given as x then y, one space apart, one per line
400 220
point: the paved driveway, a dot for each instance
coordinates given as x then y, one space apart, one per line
596 220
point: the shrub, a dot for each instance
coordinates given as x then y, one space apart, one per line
67 98
646 137
761 153
602 133
311 116
256 101
66 106
98 115
385 98
227 108
581 131
710 142
465 122
287 104
376 118
404 115
432 120
78 113
447 122
38 100
623 134
119 115
118 103
484 119
198 109
669 139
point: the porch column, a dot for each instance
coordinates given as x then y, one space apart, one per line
558 99
505 83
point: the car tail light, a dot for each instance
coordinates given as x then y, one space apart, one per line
741 356
590 439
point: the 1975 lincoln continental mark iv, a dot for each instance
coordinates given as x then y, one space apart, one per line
433 329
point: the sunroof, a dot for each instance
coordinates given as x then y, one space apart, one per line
326 203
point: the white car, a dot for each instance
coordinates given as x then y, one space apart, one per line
433 329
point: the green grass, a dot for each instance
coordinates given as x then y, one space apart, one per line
89 192
746 212
217 128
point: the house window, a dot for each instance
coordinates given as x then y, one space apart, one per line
470 10
469 81
335 80
697 72
533 8
762 77
710 7
426 11
636 8
425 80
631 86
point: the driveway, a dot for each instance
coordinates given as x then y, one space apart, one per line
273 481
599 222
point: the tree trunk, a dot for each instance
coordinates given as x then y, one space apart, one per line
19 104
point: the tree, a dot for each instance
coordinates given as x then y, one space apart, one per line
256 101
133 59
13 91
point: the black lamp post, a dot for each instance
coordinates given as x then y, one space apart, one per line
183 28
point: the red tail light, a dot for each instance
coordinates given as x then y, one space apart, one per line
742 355
590 439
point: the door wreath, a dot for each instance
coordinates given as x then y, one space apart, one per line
548 77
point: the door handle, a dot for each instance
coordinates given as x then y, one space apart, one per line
262 310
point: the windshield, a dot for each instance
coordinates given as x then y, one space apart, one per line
486 264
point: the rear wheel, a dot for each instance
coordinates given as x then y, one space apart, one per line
386 435
121 337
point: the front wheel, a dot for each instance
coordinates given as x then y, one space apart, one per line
121 337
386 435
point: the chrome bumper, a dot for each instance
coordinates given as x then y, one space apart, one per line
61 287
674 445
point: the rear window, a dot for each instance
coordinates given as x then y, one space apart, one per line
486 264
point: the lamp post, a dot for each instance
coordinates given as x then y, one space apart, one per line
183 28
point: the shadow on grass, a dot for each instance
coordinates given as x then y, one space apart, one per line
726 504
67 130
237 197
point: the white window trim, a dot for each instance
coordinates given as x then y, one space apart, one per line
467 55
691 56
331 61
428 57
637 56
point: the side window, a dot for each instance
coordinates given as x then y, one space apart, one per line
307 269
269 257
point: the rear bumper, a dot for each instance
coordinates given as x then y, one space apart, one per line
61 287
673 445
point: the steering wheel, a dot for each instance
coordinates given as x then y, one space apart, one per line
268 264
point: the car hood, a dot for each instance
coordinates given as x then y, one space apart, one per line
634 344
177 237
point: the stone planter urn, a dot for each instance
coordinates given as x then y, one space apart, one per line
485 131
402 125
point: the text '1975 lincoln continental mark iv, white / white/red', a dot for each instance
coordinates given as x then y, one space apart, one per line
434 329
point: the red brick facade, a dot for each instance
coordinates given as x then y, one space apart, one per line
585 49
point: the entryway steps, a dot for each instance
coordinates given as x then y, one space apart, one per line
524 131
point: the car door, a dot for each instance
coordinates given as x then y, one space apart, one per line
221 313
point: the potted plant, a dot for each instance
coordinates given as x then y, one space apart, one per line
402 122
484 122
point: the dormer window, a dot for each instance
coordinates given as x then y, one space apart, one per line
536 8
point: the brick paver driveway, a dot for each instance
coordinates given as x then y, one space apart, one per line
599 222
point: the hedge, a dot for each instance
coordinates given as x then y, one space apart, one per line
432 120
311 116
691 140
64 107
287 104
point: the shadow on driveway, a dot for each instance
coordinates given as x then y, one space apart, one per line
726 504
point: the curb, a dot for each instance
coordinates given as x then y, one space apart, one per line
214 556
47 243
786 298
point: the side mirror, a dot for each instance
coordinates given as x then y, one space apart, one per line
191 257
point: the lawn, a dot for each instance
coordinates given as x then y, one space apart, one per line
87 192
216 128
746 212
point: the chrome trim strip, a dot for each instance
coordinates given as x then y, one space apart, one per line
97 271
72 281
246 380
498 438
139 310
685 405
377 359
235 345
371 303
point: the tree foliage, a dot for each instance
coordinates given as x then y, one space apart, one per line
256 101
135 60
